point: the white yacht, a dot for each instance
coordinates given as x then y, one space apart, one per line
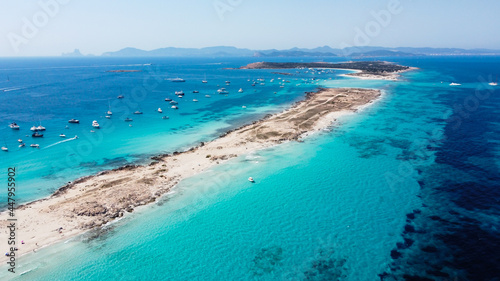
62 135
20 140
222 91
4 148
95 124
493 84
240 90
179 93
250 179
159 110
14 126
195 100
455 84
35 145
174 107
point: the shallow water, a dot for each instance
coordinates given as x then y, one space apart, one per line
397 191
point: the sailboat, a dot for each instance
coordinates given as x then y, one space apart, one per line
205 80
109 109
493 83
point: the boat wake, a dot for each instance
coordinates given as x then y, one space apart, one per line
67 140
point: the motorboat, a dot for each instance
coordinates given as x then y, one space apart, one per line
250 179
95 124
167 99
178 80
174 107
4 148
74 121
14 126
222 91
107 117
164 117
62 135
240 90
159 110
173 102
35 145
455 84
120 97
138 112
195 100
195 92
179 93
128 119
40 128
37 135
493 84
179 96
207 96
22 145
20 140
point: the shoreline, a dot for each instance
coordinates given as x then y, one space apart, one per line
93 201
360 74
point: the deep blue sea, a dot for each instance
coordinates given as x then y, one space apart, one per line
406 189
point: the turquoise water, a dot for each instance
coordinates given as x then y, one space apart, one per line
343 205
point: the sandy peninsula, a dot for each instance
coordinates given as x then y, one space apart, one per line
93 201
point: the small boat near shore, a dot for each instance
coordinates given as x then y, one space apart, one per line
74 121
160 111
95 124
250 179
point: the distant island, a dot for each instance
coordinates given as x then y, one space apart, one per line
365 69
323 52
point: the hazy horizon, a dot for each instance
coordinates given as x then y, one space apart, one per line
53 27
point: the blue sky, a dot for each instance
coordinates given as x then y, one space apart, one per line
94 27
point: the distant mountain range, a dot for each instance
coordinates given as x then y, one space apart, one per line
326 51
